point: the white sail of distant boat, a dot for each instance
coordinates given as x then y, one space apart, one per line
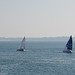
22 46
68 47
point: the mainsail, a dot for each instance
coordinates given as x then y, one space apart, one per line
22 46
69 44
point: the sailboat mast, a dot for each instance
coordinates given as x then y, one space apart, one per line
24 42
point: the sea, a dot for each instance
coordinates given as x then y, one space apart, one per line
40 58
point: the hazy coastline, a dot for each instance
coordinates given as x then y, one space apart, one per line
37 39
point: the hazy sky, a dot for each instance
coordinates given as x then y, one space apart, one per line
37 18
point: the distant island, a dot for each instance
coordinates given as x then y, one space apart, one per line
37 39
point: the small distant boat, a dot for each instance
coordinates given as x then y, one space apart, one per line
22 46
68 47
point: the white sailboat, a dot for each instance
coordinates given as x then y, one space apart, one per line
22 46
68 47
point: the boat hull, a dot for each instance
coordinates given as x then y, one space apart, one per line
67 51
20 49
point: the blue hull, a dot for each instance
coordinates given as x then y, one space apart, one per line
67 51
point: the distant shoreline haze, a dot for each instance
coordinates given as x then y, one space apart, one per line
37 39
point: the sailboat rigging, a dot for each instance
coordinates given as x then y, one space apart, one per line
22 46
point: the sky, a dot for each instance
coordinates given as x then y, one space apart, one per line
37 18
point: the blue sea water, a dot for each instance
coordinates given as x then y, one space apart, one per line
40 58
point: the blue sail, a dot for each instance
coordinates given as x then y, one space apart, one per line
69 44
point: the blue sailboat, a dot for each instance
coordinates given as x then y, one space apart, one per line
68 47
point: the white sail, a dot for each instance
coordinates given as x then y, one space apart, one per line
22 46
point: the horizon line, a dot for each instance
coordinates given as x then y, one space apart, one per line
38 37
